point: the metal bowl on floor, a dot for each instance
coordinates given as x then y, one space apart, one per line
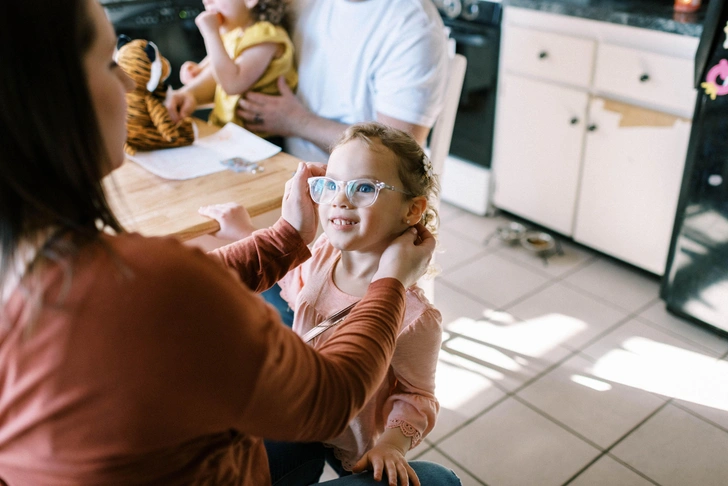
511 233
537 241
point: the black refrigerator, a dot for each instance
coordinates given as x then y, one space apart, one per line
695 285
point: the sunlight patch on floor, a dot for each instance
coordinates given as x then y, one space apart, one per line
667 370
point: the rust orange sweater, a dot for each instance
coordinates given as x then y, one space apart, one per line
158 366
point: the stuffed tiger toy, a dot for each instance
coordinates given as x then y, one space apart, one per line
148 125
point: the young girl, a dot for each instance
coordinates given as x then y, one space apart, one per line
247 49
378 183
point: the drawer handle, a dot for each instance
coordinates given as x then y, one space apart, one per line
592 128
644 78
543 55
574 121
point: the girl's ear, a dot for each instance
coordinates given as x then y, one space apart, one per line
251 3
417 207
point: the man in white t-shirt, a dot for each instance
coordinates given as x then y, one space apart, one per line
358 60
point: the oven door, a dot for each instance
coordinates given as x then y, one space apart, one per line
472 137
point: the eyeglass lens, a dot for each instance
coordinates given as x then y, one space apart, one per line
361 193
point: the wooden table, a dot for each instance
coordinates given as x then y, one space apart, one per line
154 206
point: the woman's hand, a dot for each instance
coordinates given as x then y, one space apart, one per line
407 257
280 115
234 219
298 207
180 104
386 457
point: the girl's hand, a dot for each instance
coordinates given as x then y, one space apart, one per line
209 21
385 457
235 222
189 71
180 104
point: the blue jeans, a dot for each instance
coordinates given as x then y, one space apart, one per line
301 464
273 297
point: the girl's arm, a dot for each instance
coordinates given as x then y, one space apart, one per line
413 404
239 75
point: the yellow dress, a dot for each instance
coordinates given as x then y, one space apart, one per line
235 42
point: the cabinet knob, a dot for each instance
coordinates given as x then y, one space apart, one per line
543 55
644 78
591 128
574 121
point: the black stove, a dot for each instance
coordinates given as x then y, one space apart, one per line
474 25
479 11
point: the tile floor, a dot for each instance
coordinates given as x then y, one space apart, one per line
569 373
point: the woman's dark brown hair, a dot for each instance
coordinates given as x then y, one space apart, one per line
52 158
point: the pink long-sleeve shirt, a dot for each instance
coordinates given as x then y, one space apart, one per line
405 398
150 363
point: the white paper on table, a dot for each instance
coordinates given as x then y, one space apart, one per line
204 156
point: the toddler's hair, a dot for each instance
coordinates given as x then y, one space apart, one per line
414 169
273 11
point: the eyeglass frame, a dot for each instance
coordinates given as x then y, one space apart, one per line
378 186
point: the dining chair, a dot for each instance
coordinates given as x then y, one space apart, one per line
441 136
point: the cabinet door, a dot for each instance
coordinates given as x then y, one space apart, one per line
633 166
538 141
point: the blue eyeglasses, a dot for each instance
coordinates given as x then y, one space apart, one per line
361 193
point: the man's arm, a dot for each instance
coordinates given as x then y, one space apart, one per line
285 115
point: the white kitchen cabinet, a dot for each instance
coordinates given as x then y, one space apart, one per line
591 132
632 170
541 127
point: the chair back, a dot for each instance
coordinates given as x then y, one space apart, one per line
442 130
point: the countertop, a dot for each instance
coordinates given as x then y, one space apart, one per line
648 14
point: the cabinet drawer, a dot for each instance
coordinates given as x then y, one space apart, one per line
555 57
661 82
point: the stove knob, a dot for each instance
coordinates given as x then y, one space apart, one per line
452 8
471 10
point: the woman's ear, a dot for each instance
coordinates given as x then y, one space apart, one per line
415 210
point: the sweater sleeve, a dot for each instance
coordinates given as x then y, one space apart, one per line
266 256
412 406
227 362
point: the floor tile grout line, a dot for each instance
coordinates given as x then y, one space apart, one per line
557 422
507 394
677 335
606 451
697 415
458 464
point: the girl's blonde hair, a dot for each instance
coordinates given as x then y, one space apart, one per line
273 11
414 168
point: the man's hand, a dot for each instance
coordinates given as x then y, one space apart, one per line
280 115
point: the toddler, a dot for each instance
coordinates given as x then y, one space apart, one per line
247 49
378 183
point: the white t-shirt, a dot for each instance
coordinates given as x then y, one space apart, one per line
359 58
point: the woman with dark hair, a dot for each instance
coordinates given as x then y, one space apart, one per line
133 360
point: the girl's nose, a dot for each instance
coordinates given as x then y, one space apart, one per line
340 200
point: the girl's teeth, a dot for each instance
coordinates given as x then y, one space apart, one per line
342 222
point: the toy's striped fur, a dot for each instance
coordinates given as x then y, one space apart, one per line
148 124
